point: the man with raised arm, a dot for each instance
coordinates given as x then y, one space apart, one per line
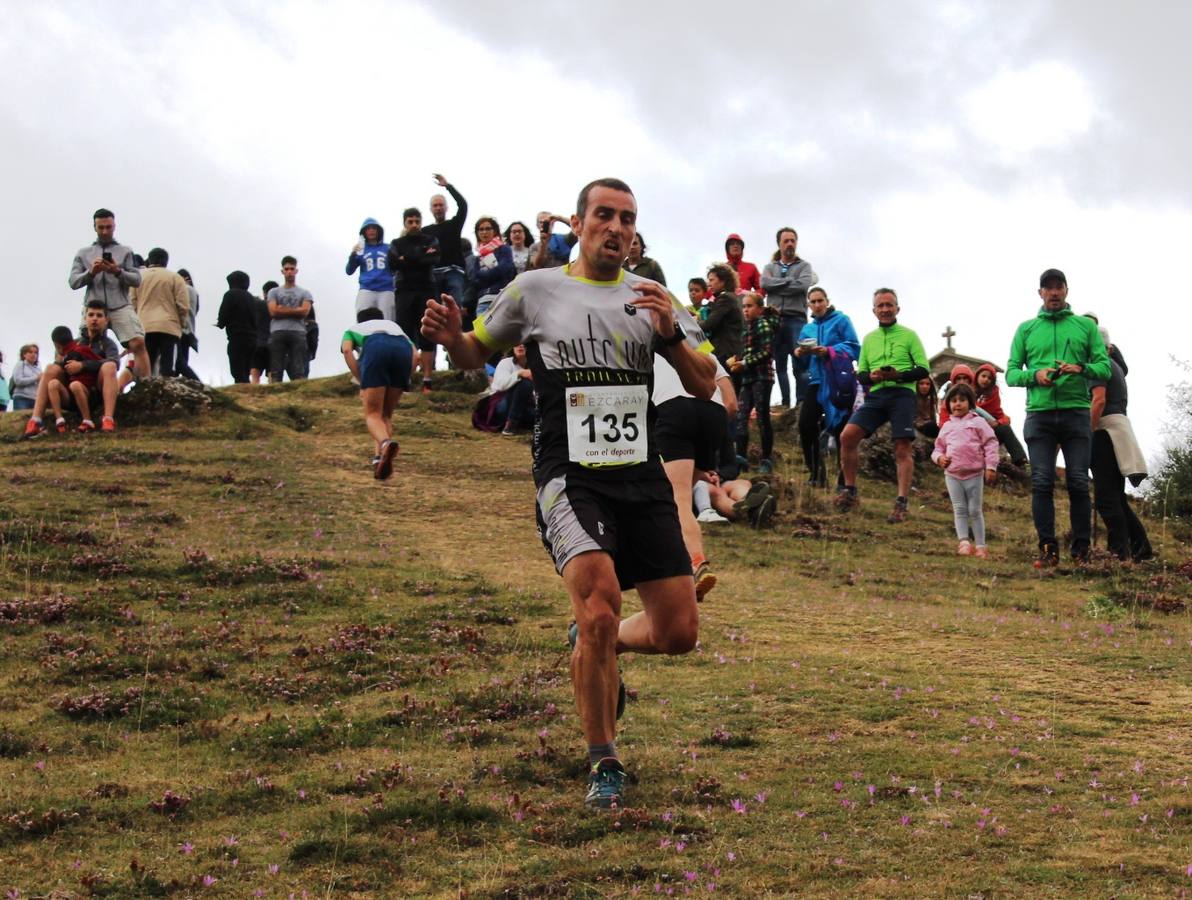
605 509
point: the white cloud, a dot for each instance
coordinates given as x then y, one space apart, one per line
1043 105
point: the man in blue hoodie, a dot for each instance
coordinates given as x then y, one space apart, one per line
376 279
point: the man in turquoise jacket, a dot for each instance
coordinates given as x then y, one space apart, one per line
1054 356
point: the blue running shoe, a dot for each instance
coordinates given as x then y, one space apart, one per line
605 785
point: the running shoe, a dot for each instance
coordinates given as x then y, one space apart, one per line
705 580
426 387
760 517
34 428
86 426
709 516
385 464
899 513
1049 557
622 694
964 548
60 426
758 491
108 425
605 784
847 500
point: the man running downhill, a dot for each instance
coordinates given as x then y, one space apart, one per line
605 508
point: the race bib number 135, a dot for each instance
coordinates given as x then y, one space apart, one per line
607 424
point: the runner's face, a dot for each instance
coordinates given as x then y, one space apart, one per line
958 405
885 307
818 302
97 322
105 229
607 229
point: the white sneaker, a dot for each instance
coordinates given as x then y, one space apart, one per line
710 515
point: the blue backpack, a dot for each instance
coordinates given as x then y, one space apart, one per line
841 379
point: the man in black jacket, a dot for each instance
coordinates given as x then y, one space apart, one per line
412 258
237 316
449 267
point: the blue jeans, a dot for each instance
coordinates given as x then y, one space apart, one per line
1046 433
22 403
517 406
450 280
785 342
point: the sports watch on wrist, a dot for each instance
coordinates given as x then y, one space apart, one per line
675 339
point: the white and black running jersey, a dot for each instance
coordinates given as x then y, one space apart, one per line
591 352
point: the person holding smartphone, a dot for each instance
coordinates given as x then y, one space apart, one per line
107 270
551 250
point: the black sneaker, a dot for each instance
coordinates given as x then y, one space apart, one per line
760 517
758 491
1049 557
622 694
605 785
1080 554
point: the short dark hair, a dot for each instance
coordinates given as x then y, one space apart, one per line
268 286
726 274
412 211
812 290
102 213
491 221
701 282
784 228
887 290
962 390
529 234
97 304
61 335
641 239
157 257
185 274
616 184
288 261
369 314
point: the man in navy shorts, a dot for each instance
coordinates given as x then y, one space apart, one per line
380 355
891 361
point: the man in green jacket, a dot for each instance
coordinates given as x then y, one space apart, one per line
1054 356
892 360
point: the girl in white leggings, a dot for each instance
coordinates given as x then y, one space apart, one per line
966 449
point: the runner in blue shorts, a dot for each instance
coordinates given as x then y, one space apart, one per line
605 507
380 355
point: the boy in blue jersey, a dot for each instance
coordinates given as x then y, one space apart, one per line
376 279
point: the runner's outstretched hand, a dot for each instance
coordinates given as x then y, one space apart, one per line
443 321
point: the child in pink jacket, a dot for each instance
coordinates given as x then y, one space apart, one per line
966 449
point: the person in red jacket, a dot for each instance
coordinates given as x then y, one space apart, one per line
989 398
748 276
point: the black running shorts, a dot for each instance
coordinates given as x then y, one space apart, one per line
685 428
633 520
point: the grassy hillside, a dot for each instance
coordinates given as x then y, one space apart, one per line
234 665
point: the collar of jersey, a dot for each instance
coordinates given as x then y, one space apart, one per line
620 277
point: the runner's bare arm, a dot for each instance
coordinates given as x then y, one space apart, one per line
696 370
443 324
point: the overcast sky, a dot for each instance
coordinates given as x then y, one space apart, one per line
951 150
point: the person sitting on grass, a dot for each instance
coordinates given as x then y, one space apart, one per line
989 399
966 449
92 363
380 356
514 382
756 371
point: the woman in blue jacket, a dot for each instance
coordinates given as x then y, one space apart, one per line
828 328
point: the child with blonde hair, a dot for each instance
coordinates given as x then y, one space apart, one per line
966 449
